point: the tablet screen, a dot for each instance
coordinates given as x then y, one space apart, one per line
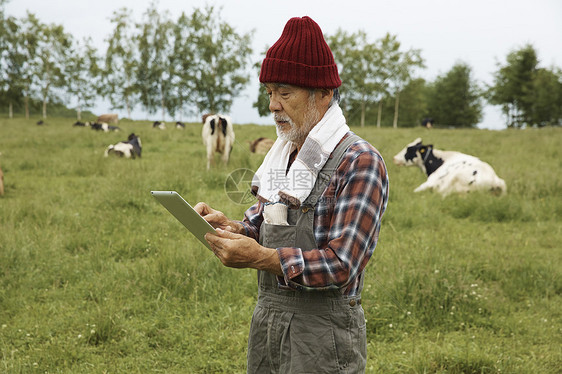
185 214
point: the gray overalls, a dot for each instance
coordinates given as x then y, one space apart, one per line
305 331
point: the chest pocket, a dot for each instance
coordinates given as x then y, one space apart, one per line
299 233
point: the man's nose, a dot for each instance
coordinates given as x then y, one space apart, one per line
274 104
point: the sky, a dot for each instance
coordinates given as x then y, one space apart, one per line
480 33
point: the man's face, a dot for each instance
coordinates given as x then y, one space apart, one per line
294 109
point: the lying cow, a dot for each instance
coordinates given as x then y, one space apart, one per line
86 124
129 149
180 125
261 145
448 171
218 136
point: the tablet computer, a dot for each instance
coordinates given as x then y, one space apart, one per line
185 214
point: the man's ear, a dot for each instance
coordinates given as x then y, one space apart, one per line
326 94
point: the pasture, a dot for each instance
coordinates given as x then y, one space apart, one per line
96 277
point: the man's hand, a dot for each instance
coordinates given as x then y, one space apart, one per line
218 219
239 251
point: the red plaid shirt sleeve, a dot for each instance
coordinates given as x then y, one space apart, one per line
253 218
346 227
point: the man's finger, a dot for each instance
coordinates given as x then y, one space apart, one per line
202 208
227 234
213 239
212 218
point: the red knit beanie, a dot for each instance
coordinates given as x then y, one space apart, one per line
301 57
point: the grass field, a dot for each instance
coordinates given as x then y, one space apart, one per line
96 277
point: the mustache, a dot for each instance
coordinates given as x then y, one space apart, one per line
279 117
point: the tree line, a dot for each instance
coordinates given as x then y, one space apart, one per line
195 63
198 63
380 82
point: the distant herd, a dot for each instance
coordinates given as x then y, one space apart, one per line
217 135
447 171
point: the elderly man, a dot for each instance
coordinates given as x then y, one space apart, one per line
321 192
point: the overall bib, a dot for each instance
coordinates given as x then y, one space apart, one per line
305 331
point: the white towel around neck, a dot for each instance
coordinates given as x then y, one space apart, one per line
270 179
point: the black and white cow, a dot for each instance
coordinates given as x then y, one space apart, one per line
98 126
129 149
427 123
218 136
180 125
159 125
448 171
104 127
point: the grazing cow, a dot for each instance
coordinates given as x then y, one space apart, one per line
449 171
218 136
180 125
129 149
109 118
261 145
159 125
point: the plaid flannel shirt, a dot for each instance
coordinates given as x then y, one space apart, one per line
347 220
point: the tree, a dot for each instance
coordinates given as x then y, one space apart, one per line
220 60
26 36
262 102
547 94
346 49
413 104
154 70
121 63
513 86
371 71
363 70
182 66
12 62
51 58
81 75
404 64
455 98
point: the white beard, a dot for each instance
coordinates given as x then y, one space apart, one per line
295 134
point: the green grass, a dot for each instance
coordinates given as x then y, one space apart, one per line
96 277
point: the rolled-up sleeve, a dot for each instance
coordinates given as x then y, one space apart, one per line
253 218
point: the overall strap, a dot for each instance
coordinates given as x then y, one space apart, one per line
329 168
